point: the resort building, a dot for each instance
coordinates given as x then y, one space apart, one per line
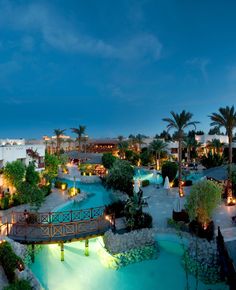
17 149
102 146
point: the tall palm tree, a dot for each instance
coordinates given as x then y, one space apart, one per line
157 146
179 122
80 133
226 118
215 145
59 133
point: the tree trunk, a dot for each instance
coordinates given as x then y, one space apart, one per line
159 159
180 168
156 161
188 155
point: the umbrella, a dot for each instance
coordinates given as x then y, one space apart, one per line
136 186
166 183
178 203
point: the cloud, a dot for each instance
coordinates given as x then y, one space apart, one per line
200 64
58 33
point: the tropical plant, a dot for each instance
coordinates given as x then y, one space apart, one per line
80 132
164 135
192 145
31 176
107 160
14 173
59 133
203 199
211 160
146 157
215 145
226 118
157 146
120 177
169 169
51 167
180 122
132 157
122 147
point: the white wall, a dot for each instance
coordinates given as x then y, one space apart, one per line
15 152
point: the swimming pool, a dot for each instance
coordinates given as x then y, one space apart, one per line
98 195
143 174
79 272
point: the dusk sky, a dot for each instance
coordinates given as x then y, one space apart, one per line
117 67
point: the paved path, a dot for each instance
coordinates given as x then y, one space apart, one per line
161 204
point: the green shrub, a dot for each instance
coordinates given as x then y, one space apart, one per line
211 160
19 285
16 199
120 177
145 182
107 160
203 199
169 169
47 189
5 202
9 260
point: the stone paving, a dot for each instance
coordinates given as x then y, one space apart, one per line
161 204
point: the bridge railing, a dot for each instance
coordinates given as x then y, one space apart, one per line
55 226
56 232
57 217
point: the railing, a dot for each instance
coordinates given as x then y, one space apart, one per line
45 233
227 266
57 217
31 227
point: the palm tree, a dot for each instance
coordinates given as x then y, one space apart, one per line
216 145
139 140
226 118
191 144
80 133
180 122
69 142
157 146
59 133
123 146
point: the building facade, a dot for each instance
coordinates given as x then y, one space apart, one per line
18 150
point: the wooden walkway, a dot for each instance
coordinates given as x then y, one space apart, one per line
56 227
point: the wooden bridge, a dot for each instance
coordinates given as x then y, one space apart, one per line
56 227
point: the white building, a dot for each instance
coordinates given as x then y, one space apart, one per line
204 139
21 151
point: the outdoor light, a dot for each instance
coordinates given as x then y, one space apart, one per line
63 186
231 201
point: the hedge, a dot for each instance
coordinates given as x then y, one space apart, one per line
10 261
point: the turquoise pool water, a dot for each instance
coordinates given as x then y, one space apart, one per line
143 174
98 195
195 176
79 272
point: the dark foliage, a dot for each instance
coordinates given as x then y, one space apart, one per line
197 228
9 260
115 208
169 169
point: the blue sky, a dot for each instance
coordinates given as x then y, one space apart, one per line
117 67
